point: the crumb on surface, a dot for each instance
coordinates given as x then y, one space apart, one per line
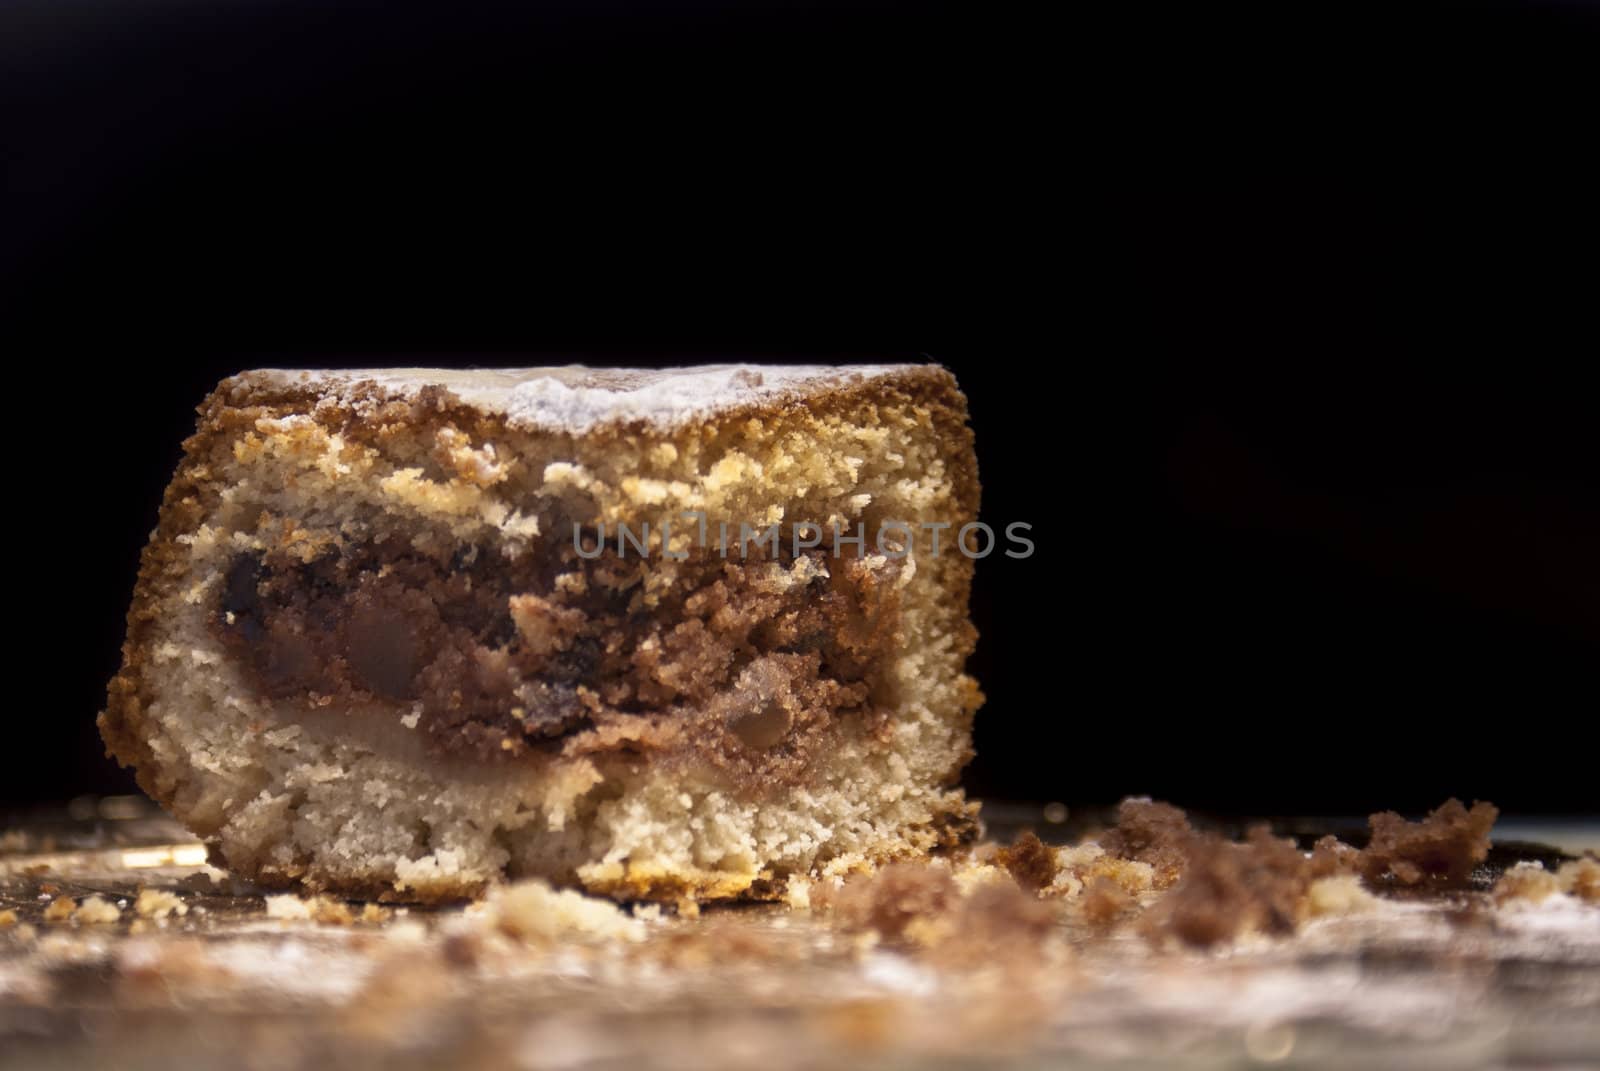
288 906
796 893
1030 861
1528 881
1228 889
1441 850
158 904
998 924
1153 833
96 910
1338 894
1332 857
1581 878
325 909
1104 901
989 921
8 919
60 909
894 902
532 910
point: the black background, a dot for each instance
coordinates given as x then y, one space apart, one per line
1274 320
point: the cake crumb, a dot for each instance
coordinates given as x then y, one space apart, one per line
1528 881
332 912
1338 894
923 906
1104 901
1229 889
997 925
8 919
1030 861
1441 850
532 910
894 902
796 893
1332 857
60 909
1153 833
324 909
158 904
288 906
1082 865
1581 878
96 910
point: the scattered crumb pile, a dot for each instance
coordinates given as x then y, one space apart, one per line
1182 884
974 916
1153 875
1217 890
1531 882
1262 885
1442 850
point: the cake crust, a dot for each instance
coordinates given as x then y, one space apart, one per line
448 449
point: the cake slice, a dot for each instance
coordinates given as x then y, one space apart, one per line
400 633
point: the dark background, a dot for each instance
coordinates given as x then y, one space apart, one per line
1274 319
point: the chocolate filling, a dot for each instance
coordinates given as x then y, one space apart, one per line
552 651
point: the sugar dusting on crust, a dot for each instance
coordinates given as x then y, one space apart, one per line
576 398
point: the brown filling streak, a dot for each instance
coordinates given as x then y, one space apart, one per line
498 658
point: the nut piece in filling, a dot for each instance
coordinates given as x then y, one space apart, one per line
401 633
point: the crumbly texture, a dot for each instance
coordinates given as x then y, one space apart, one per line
896 901
984 973
365 656
1441 850
158 904
1227 889
1151 832
925 905
1082 867
1528 881
1219 890
1030 861
739 656
1104 901
1581 878
1339 894
532 911
96 910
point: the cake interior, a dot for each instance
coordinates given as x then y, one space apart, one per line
367 654
744 660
